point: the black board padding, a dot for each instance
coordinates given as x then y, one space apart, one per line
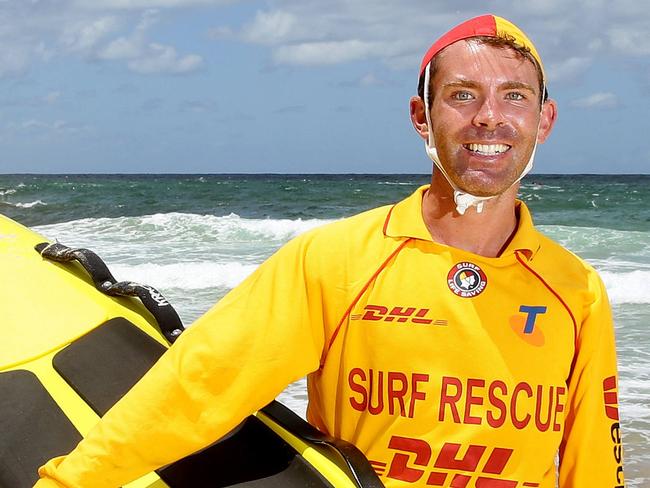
104 364
345 454
252 456
33 429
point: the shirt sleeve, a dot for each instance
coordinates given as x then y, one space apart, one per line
591 449
235 359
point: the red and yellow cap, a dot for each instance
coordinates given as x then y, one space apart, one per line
485 25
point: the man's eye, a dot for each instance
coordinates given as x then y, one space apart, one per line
462 95
515 96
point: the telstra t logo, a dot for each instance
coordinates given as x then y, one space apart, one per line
524 324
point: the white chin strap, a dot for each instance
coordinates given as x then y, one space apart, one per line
462 199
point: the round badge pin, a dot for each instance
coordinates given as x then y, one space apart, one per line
466 280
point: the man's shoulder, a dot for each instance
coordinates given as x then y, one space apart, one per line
342 249
356 228
560 261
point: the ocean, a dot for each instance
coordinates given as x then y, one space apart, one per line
194 237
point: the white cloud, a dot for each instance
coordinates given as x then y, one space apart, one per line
121 48
567 69
93 30
545 7
144 4
133 45
33 101
595 45
630 40
317 33
365 81
369 79
313 32
220 32
41 127
83 35
270 27
157 58
320 53
14 59
300 32
601 100
148 57
43 51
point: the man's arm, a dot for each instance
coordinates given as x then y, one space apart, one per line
591 450
235 359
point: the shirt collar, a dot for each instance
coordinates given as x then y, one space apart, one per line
405 220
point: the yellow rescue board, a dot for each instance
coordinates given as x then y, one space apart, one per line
47 308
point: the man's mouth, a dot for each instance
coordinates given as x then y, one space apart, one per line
487 149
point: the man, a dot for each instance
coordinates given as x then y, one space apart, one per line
443 336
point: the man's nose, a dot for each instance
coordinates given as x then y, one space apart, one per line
489 114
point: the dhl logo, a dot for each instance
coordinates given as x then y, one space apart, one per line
412 461
397 314
611 397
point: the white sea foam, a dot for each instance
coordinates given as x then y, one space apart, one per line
231 226
30 204
176 227
601 243
180 251
630 287
186 276
538 186
295 397
10 191
24 205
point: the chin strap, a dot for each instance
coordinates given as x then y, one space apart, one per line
462 199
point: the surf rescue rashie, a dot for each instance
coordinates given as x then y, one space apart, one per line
444 367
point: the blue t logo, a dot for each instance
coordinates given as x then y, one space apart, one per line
531 316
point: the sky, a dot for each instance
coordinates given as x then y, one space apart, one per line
293 86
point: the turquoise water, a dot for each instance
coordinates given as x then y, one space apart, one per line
195 237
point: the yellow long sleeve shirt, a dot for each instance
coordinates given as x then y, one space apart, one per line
444 367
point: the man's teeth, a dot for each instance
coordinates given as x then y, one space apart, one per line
488 149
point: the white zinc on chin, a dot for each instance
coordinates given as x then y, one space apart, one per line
462 199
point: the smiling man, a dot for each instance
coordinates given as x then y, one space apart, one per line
482 110
444 336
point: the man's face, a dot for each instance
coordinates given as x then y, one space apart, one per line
485 114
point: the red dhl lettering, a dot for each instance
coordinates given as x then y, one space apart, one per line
522 405
412 463
397 314
391 391
610 397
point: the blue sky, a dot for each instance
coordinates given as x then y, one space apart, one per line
213 86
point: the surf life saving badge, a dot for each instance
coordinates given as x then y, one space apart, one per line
466 280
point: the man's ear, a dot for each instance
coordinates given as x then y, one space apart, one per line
547 120
419 117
